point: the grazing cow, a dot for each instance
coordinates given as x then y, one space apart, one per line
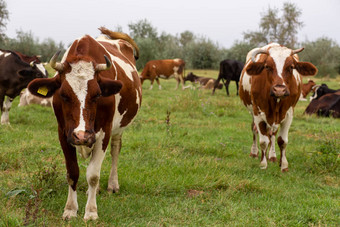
16 71
96 95
327 105
270 88
306 88
26 98
165 69
321 90
229 70
204 82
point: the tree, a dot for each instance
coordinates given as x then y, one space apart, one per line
142 29
3 18
277 29
238 51
324 53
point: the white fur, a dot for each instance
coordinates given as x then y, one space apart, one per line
82 72
93 171
71 206
5 113
41 68
279 55
117 118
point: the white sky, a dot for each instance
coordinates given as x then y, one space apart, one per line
222 21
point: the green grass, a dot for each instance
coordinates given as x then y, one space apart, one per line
184 162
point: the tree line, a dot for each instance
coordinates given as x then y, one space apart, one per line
198 51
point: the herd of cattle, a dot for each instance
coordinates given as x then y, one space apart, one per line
97 93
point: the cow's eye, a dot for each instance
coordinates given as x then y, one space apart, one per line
290 68
267 67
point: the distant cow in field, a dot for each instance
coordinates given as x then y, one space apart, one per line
270 87
96 94
167 68
26 98
204 82
321 90
16 71
229 70
327 105
306 88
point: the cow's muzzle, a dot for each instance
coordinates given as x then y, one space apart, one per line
279 91
85 138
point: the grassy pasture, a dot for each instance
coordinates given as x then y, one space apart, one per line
184 162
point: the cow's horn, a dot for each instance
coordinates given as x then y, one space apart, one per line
256 52
32 63
106 66
316 86
56 65
297 50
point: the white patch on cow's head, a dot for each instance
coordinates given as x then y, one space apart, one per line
42 69
78 79
279 55
177 60
175 69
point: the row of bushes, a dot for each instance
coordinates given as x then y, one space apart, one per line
198 52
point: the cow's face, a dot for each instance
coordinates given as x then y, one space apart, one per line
77 88
278 66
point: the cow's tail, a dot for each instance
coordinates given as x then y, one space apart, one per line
123 36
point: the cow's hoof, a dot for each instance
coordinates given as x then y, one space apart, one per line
273 159
263 165
90 216
284 170
253 155
112 190
68 214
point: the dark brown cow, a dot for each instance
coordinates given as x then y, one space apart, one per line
270 88
204 82
327 105
16 71
165 69
96 95
306 88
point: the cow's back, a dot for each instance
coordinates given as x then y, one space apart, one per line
128 100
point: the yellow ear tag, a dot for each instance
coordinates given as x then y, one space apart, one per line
43 91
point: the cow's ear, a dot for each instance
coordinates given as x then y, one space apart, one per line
44 87
109 87
255 68
306 68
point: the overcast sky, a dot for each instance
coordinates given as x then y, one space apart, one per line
222 21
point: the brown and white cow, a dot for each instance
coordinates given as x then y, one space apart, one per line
167 68
26 98
270 88
96 95
306 88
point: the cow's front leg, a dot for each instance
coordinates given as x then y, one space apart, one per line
7 104
93 176
71 206
254 152
116 144
282 139
263 139
272 154
159 84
